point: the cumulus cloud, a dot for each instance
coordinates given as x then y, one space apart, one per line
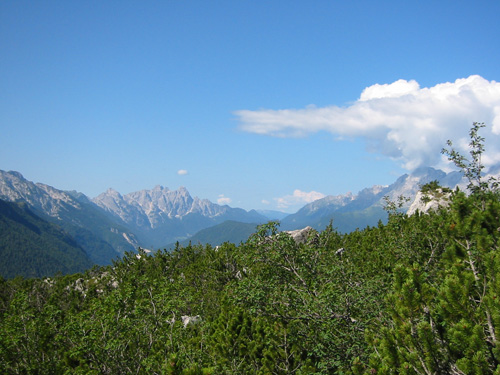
393 90
223 199
400 120
182 172
298 198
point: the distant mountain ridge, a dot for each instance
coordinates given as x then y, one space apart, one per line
349 212
162 216
273 214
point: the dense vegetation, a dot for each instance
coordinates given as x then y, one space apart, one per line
418 295
33 247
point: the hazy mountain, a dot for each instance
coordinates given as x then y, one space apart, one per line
33 247
350 212
102 238
272 214
228 231
409 184
160 216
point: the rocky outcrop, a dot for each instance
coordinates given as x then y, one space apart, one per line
430 201
190 320
302 235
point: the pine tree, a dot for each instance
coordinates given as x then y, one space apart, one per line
445 319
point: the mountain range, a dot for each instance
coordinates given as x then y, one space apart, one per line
111 224
160 216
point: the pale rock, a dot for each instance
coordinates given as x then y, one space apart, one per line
190 320
301 235
432 201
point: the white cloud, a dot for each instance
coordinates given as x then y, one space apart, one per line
399 120
265 201
298 198
182 172
393 90
223 200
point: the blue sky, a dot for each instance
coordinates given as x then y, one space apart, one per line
258 104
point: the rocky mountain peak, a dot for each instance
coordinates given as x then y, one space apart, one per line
15 188
161 201
159 214
14 174
330 200
154 208
112 192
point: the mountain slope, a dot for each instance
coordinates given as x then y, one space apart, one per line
33 247
99 235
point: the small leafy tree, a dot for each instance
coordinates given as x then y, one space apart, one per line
473 168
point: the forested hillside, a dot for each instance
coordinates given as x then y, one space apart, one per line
33 247
418 295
